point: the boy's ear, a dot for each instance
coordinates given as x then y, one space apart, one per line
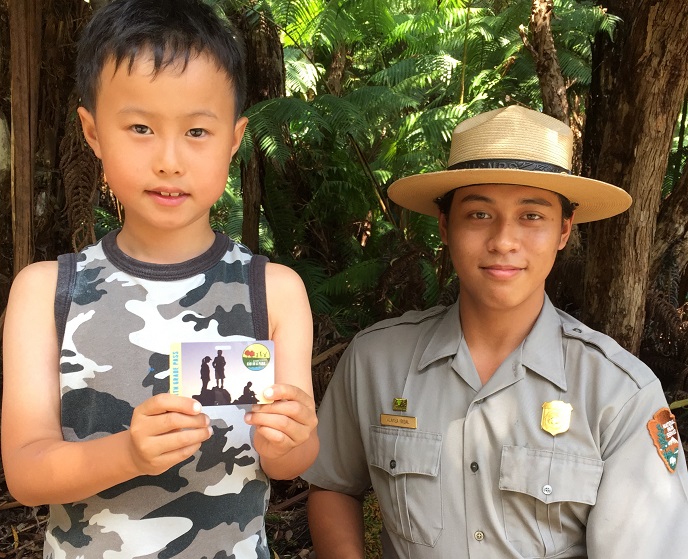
443 228
566 226
88 124
239 129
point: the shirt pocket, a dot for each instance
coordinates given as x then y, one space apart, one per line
405 471
546 498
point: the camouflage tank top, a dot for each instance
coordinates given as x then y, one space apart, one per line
116 318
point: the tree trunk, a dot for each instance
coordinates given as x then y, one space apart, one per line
555 99
335 73
672 224
638 84
672 229
62 23
552 85
25 20
6 245
265 75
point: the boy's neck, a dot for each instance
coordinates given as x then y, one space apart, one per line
492 335
165 247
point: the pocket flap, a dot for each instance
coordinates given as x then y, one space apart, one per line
402 451
550 477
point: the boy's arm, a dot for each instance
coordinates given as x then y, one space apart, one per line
285 435
40 466
336 524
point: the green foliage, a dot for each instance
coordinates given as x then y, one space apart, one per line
407 73
104 222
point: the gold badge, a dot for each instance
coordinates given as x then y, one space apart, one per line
399 404
556 417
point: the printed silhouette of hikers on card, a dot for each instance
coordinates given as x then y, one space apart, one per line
205 373
219 366
248 397
217 395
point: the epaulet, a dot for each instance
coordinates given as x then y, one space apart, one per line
409 317
640 373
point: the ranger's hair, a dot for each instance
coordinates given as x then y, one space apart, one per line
172 31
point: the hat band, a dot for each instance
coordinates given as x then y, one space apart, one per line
514 164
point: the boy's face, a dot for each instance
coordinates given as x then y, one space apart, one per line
166 141
503 240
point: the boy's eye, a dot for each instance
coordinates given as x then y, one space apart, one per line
480 215
141 129
533 217
197 132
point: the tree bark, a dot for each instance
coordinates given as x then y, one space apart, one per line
553 88
552 85
62 23
672 229
335 73
265 78
638 84
6 270
25 33
672 224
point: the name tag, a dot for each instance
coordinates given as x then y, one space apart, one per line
404 421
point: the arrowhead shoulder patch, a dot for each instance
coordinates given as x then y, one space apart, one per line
664 435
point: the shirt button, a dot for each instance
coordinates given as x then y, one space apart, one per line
474 467
393 464
547 489
479 535
578 330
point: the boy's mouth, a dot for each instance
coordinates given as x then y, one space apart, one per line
168 197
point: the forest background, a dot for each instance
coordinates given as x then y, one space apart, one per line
345 96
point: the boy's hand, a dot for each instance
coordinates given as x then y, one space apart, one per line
165 430
284 424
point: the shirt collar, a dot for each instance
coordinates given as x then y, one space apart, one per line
542 349
444 339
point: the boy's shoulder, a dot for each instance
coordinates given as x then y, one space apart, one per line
411 320
282 279
607 348
36 276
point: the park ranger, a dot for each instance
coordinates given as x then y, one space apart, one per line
500 427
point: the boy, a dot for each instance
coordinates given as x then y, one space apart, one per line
500 427
129 469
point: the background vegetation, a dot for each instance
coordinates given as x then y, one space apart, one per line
348 95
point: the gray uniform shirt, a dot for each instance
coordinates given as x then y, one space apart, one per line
478 476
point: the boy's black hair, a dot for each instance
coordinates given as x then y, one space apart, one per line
567 207
172 30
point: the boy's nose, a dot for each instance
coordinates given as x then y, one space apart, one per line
504 237
169 160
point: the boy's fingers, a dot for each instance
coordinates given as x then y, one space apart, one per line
153 425
173 421
289 427
155 454
288 392
161 403
294 410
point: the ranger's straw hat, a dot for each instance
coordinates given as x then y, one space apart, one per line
517 146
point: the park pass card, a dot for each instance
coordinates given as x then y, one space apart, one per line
223 373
